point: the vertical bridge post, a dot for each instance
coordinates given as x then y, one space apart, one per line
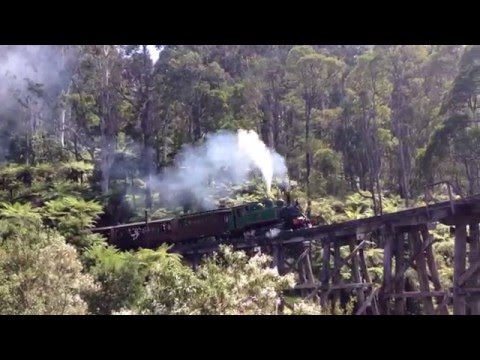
460 253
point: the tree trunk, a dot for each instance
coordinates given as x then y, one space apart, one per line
267 124
399 128
107 127
147 155
308 155
196 121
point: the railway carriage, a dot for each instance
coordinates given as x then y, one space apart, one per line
201 225
242 221
139 235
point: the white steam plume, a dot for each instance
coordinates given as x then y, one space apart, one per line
225 158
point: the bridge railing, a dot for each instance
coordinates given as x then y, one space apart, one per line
428 196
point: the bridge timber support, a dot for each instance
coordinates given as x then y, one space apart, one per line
318 256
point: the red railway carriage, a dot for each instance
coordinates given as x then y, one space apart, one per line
138 235
201 225
154 233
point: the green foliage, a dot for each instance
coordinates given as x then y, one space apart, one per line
358 206
229 282
40 273
119 117
76 170
60 189
20 214
72 216
437 148
70 207
443 248
119 276
122 276
171 289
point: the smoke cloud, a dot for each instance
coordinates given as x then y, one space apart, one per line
31 78
204 172
22 66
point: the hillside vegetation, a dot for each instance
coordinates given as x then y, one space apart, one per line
86 130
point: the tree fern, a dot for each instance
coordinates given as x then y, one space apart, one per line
21 214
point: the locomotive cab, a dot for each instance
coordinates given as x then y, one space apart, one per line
268 203
294 218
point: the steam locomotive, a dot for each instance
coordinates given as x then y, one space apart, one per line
243 221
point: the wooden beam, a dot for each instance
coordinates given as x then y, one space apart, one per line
299 265
387 272
281 268
432 266
195 261
470 291
345 261
444 304
307 263
325 272
366 277
368 301
354 251
301 256
474 257
399 285
318 286
282 264
411 259
460 219
387 262
301 277
287 266
275 257
459 268
337 265
356 270
462 279
419 295
421 270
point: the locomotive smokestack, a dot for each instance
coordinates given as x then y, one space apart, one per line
284 186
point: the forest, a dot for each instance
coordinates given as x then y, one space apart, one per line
95 135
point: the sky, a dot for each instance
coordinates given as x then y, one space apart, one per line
154 53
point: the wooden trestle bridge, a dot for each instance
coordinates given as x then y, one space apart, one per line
406 241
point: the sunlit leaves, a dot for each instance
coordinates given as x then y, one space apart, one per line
40 273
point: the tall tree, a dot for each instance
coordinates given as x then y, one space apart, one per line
97 105
314 74
360 139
